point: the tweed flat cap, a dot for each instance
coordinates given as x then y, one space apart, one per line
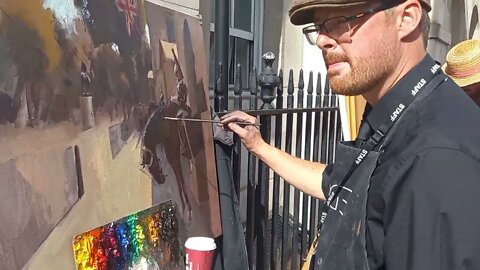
302 11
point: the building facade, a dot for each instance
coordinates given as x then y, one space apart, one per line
452 22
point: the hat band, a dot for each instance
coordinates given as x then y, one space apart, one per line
465 72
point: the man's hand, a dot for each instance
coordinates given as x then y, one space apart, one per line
249 134
304 175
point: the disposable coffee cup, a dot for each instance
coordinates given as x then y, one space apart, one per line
199 253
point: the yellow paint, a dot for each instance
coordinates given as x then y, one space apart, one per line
40 20
82 247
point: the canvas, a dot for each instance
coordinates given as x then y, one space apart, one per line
76 80
179 155
66 67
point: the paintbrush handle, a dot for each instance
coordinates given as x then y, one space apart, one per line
208 121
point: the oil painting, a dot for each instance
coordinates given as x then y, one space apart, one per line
84 87
179 154
66 67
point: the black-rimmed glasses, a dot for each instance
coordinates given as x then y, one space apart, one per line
339 28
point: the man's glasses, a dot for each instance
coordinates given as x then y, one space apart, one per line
339 28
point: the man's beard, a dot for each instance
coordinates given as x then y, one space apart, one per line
365 74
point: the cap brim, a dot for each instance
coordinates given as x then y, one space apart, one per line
300 15
305 14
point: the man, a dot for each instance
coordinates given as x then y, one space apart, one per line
463 66
407 187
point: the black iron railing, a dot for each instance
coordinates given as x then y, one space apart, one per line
281 221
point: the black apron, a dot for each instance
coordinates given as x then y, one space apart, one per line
342 243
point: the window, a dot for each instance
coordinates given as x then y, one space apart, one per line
241 42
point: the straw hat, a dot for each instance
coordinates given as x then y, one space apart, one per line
302 10
463 63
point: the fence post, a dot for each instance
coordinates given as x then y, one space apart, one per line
316 152
268 81
237 104
287 247
221 40
237 150
252 184
306 215
219 98
253 89
296 259
274 243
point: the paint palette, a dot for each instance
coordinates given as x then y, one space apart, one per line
147 240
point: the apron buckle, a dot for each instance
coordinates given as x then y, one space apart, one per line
377 136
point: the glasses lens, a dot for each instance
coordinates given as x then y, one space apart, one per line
312 37
338 28
311 34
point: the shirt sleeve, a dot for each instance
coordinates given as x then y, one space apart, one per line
432 215
327 179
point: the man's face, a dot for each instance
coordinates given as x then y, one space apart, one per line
473 91
365 57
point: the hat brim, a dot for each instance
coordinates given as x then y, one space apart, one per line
304 14
462 82
300 15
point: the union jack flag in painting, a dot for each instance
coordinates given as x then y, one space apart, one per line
129 7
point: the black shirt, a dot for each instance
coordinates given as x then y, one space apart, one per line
423 209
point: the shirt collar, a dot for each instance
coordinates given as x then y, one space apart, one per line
375 115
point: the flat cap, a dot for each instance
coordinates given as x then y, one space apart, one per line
302 11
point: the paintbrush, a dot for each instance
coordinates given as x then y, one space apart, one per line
209 121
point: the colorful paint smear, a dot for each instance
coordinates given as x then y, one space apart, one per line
145 240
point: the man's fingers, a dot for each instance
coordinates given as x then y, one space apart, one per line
237 116
251 128
232 114
241 132
232 117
